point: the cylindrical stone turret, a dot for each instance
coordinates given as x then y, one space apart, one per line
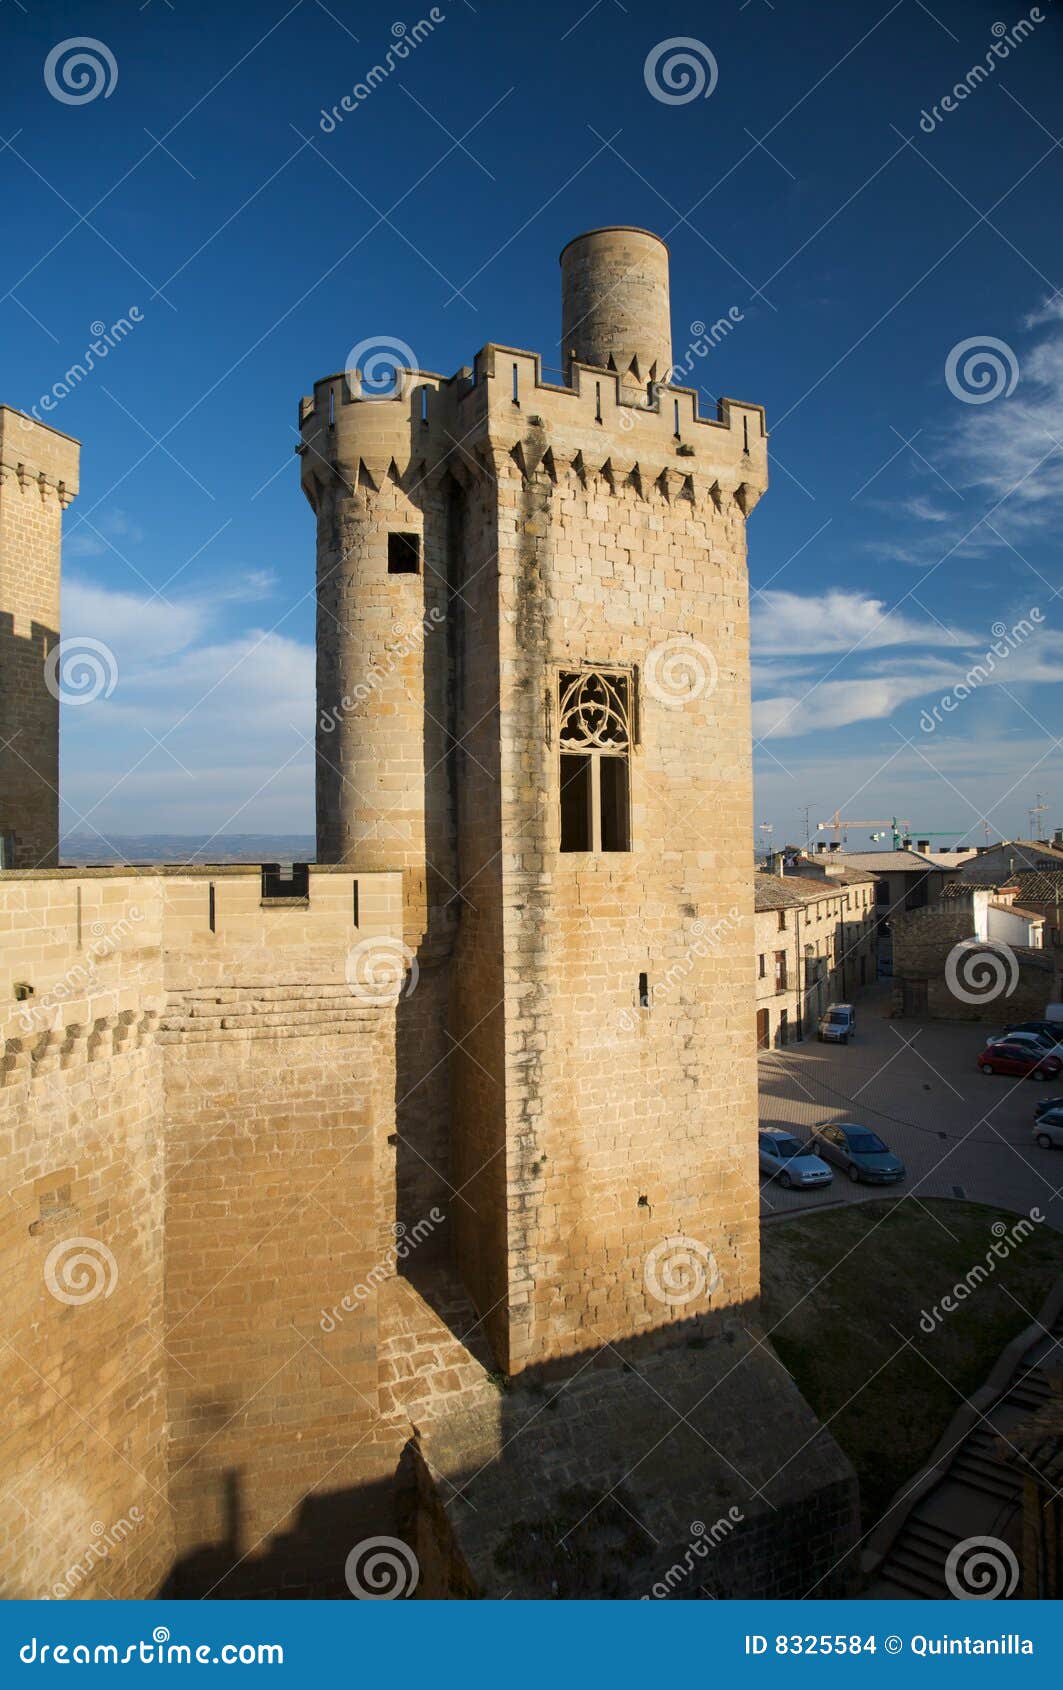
615 308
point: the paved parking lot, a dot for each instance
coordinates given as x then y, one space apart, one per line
915 1083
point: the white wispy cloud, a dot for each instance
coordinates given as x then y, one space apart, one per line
234 715
795 624
1012 447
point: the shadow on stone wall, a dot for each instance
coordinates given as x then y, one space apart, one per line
684 1464
29 745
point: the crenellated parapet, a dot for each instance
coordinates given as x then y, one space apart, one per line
659 442
656 441
354 444
34 457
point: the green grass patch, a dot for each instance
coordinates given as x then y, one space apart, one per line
843 1290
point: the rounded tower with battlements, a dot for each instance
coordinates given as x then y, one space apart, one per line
370 471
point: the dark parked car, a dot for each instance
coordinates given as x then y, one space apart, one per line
1018 1059
859 1151
1051 1029
1046 1104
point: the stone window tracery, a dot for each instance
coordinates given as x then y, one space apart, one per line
595 736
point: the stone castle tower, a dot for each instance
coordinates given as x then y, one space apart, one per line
415 1192
38 479
546 586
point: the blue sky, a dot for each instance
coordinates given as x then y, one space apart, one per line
861 242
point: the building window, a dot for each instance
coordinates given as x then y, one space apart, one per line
762 966
404 554
780 971
595 740
782 921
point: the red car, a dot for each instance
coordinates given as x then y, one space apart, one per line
1008 1058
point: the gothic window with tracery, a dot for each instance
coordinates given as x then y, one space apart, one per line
595 740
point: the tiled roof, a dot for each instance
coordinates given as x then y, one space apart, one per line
771 892
1029 847
1037 886
810 889
879 862
1040 886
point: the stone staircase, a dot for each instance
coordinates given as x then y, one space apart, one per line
979 1495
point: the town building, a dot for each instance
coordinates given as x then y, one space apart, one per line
976 954
815 945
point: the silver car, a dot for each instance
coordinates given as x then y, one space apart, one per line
1048 1130
793 1164
1042 1044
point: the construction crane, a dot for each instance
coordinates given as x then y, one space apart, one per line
900 830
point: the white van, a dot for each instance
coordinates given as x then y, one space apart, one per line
838 1025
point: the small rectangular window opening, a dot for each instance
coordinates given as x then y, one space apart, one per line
516 387
424 404
354 902
287 883
575 803
332 407
404 554
676 417
614 803
212 909
597 401
644 991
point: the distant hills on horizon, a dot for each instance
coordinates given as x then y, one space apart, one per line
78 850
